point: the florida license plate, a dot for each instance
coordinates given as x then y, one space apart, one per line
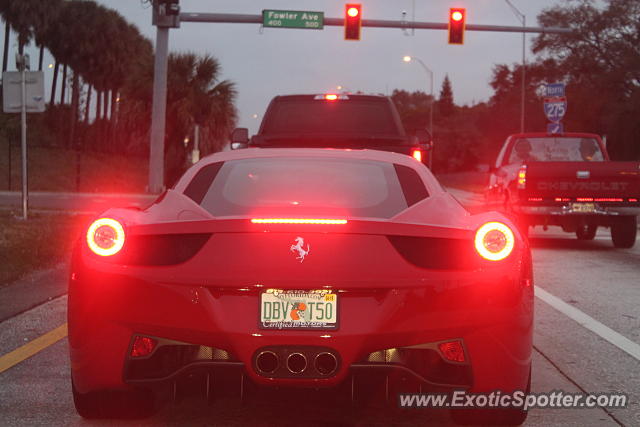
583 207
298 309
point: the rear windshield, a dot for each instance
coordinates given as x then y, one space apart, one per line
306 187
322 117
556 149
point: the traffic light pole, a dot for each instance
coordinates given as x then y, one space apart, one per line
235 18
158 112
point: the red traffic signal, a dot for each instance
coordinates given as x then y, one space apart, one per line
352 21
457 18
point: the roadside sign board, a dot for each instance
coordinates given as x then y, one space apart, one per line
12 91
555 108
554 89
292 19
553 128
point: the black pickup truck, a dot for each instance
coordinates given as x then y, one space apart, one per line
335 121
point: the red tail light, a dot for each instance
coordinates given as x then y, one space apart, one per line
297 221
494 241
608 199
105 237
522 177
452 351
331 97
142 346
417 154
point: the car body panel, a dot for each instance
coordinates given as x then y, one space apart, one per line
385 299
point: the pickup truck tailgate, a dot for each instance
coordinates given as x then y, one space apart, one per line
611 180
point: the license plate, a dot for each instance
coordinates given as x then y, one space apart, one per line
583 207
298 309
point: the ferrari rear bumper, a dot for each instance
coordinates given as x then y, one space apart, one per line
489 312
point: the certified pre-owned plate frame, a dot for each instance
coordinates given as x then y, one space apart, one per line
289 294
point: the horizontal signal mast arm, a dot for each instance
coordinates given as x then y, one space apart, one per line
234 18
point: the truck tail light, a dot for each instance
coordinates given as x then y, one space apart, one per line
494 241
416 154
105 237
522 177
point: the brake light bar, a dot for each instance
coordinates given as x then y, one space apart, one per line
609 199
298 221
584 199
330 97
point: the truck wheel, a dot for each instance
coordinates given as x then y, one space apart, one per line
114 404
623 232
586 231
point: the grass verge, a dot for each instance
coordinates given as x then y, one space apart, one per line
42 241
56 169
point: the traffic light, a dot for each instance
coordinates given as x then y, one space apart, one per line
457 18
352 21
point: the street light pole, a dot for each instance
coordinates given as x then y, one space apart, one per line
522 18
428 70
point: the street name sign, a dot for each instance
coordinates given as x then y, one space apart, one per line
293 19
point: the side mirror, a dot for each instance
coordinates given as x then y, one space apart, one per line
239 138
238 145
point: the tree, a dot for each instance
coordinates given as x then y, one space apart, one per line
195 95
600 62
100 47
413 108
446 106
29 18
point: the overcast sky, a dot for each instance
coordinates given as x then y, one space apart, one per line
264 63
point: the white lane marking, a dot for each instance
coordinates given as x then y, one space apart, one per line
603 331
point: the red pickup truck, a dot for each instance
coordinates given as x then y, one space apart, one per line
566 180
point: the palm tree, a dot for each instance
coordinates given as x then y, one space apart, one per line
30 19
195 95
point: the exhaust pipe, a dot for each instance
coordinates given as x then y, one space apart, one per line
267 362
325 363
296 363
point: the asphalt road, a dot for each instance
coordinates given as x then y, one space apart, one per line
587 332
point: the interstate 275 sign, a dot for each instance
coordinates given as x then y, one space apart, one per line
555 108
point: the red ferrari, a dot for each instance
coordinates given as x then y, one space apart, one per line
300 268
